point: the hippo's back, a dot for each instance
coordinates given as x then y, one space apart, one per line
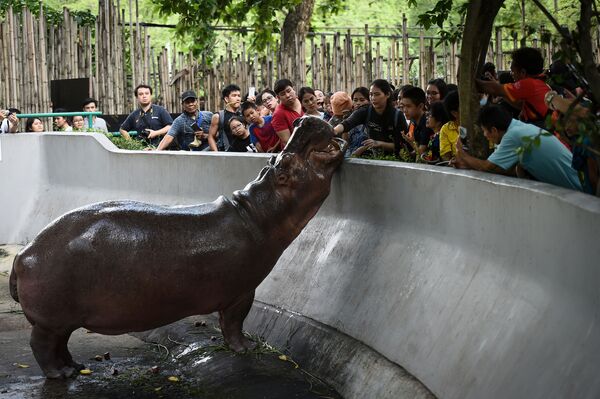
97 260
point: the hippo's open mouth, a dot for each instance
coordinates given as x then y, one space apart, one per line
313 135
336 144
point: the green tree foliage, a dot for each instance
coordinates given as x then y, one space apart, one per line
53 15
258 18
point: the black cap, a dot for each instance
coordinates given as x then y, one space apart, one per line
188 94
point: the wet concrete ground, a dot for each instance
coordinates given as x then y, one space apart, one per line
186 359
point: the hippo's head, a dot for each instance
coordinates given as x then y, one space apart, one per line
308 161
312 149
296 182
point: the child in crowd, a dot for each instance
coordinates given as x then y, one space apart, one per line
241 141
436 118
413 104
265 138
449 132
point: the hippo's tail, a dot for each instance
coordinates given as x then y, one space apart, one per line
12 282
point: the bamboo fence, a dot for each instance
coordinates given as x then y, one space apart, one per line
116 55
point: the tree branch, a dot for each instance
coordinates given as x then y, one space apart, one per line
585 49
552 20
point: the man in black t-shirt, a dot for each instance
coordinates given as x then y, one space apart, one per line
219 124
150 121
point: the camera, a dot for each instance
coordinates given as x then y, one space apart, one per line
144 133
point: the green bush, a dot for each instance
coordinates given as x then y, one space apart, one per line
123 144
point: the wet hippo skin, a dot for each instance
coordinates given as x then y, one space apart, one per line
123 266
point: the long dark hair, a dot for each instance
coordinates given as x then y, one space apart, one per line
362 90
386 88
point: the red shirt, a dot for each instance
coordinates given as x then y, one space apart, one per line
266 135
283 118
531 92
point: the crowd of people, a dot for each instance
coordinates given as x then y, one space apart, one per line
379 121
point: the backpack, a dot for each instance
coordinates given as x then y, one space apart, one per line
398 141
223 140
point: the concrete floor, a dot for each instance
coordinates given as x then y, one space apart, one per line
191 350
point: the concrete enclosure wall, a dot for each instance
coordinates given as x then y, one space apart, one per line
479 285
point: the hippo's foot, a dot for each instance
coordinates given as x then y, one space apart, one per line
232 320
241 345
50 351
76 366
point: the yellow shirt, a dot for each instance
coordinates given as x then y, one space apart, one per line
448 137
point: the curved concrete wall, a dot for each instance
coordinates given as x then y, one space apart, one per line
479 285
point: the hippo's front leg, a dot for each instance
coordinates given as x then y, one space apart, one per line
232 320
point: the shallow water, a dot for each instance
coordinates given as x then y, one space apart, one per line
194 353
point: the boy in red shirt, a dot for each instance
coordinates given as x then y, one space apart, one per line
261 129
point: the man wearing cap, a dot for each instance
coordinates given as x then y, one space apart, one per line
149 120
190 129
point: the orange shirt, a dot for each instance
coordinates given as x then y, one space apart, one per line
411 130
531 92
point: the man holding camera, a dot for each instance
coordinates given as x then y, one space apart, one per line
9 123
150 121
190 129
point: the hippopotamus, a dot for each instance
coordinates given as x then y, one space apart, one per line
124 266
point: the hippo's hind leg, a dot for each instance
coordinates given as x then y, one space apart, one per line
69 365
50 350
232 320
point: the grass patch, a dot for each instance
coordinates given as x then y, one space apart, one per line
133 145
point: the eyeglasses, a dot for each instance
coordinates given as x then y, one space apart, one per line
268 98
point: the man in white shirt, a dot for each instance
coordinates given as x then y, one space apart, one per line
91 105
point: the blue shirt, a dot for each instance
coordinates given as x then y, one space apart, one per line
549 162
182 130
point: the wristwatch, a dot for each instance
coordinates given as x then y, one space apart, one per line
548 99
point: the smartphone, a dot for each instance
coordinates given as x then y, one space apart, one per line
252 92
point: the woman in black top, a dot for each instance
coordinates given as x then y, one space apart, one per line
241 140
382 121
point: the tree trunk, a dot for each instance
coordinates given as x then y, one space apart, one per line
296 25
476 37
